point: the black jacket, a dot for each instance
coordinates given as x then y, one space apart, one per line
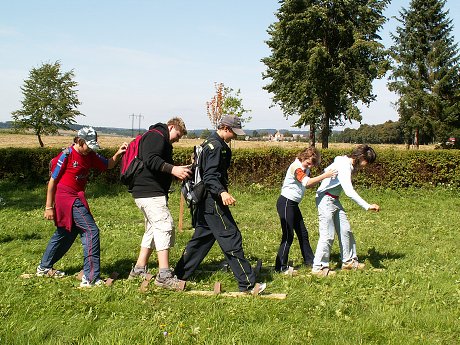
156 153
215 161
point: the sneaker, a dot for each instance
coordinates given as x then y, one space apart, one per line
85 283
322 272
49 272
170 282
353 265
262 287
138 272
289 271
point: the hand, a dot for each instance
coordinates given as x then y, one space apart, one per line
49 214
332 173
122 148
181 172
374 207
227 199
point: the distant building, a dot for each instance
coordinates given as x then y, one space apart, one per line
278 136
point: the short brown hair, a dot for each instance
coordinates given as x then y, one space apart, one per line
178 124
310 152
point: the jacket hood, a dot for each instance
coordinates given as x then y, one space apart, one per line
162 127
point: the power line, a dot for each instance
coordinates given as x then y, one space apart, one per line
139 116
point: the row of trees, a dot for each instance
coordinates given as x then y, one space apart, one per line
325 55
387 133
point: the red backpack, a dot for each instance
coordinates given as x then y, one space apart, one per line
131 162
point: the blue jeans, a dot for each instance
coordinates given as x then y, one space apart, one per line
333 219
62 240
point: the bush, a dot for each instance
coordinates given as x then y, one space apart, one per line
267 166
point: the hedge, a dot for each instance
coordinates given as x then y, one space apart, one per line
267 166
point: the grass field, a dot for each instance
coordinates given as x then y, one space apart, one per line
409 293
8 139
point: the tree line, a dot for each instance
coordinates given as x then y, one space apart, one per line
325 54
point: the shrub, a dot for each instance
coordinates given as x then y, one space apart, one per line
267 166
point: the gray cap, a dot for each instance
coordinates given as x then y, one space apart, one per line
234 122
89 135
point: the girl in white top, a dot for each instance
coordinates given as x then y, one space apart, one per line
296 181
332 216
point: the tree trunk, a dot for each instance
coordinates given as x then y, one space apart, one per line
325 132
40 140
312 135
416 139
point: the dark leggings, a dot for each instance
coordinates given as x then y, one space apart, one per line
291 220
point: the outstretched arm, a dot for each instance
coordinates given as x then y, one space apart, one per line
113 161
331 173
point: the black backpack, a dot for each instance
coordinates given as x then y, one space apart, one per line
193 188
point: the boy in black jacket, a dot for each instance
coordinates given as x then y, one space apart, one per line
214 220
150 192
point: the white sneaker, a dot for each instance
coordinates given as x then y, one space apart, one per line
49 272
289 271
262 287
85 283
353 265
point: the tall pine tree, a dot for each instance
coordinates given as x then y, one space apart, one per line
425 73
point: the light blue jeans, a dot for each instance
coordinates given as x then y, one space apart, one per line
333 219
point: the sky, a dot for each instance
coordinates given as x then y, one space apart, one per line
158 59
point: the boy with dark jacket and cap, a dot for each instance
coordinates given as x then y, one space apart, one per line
150 192
214 221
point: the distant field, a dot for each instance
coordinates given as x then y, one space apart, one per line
29 140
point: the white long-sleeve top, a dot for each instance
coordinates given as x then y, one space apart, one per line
295 181
342 181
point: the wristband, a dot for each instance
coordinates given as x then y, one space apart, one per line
49 208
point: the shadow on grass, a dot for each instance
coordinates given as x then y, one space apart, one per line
206 270
122 266
20 237
28 197
374 257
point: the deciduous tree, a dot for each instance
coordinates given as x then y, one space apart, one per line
50 101
324 57
226 102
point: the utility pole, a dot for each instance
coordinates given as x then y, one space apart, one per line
132 125
139 116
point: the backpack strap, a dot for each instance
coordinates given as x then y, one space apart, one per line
143 135
60 161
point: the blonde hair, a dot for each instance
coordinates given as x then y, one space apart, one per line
310 152
178 124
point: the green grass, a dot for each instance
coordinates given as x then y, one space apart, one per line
409 293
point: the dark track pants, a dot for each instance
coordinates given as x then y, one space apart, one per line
62 240
291 220
215 223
